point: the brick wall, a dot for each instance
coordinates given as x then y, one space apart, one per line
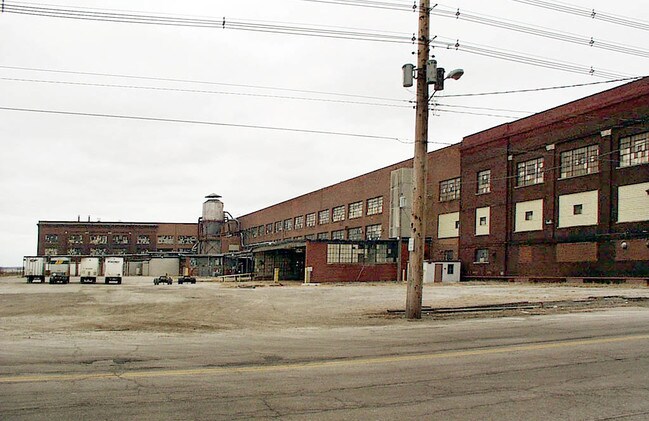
316 257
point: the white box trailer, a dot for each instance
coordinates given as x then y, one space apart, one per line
113 269
89 269
59 268
34 268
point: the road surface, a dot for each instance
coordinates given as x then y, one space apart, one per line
580 366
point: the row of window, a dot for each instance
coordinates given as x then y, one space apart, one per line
634 150
122 239
361 253
576 209
372 232
374 206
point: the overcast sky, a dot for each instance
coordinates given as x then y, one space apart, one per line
58 167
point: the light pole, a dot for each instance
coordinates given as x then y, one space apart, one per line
427 73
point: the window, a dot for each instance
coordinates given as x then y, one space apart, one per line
288 224
577 209
447 255
529 172
355 210
163 239
299 222
581 161
449 189
484 181
482 256
98 251
309 237
310 220
375 205
120 239
75 251
338 214
278 226
143 239
361 253
51 238
634 150
355 234
373 232
482 216
75 239
338 235
323 217
457 225
323 236
529 215
450 269
186 239
51 251
269 228
98 239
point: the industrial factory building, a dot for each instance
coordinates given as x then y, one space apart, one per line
561 194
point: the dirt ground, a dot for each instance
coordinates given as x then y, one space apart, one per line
138 305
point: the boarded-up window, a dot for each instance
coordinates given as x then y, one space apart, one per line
576 252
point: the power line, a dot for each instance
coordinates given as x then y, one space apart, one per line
158 88
225 23
589 13
538 31
208 123
547 88
518 57
124 76
317 31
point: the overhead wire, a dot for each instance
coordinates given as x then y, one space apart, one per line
627 22
307 30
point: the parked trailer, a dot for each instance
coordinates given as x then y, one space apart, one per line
34 268
113 269
89 269
59 270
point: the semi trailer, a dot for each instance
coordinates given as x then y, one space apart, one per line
113 269
89 269
34 268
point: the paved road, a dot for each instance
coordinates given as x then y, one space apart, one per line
585 366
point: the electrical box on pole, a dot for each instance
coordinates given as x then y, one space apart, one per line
408 75
431 71
439 80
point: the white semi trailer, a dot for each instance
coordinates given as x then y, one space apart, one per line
113 269
89 269
59 268
34 268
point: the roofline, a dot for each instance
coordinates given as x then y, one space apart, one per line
554 115
455 145
112 223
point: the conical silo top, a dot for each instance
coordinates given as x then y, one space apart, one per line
213 196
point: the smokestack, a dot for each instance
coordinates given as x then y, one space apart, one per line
88 218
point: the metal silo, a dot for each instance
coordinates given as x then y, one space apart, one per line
210 225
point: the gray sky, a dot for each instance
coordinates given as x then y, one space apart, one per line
56 167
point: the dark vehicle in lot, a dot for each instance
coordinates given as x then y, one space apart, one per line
186 279
164 279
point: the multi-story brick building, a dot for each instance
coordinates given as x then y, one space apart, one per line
561 193
114 238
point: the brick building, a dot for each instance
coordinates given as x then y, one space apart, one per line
114 238
563 193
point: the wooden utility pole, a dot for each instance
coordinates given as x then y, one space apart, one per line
416 280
